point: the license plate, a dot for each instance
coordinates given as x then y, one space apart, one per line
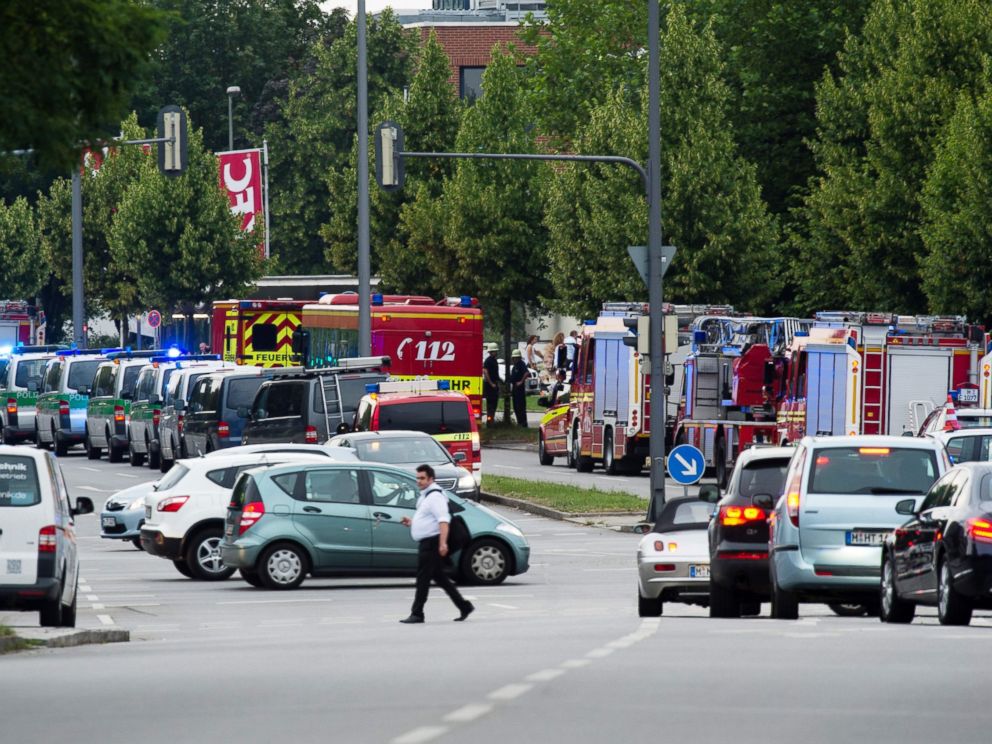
13 567
699 571
148 512
109 522
865 537
968 395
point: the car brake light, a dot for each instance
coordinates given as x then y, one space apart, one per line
223 430
310 436
63 408
663 567
12 405
476 443
46 539
249 515
980 530
742 555
734 516
792 504
873 451
156 417
172 504
119 414
179 423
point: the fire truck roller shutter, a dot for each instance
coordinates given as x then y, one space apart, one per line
613 387
915 375
826 390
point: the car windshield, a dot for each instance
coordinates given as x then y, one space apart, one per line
429 416
130 379
241 393
18 481
30 370
81 373
402 451
176 473
763 476
872 470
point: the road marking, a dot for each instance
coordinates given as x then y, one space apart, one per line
105 619
98 607
469 712
94 490
92 597
422 734
510 692
126 475
92 470
600 653
508 467
575 663
545 675
503 606
274 601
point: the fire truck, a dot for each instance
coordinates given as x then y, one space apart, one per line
15 324
423 337
878 373
256 333
731 381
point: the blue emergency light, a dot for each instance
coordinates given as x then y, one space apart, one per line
465 301
173 352
372 387
377 299
444 385
6 349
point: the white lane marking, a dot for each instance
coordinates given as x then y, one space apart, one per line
274 601
469 712
92 470
105 619
94 490
507 467
98 607
600 653
422 734
510 692
608 570
503 606
92 597
575 663
126 475
545 675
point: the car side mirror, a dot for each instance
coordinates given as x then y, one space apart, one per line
907 433
155 399
459 457
764 501
83 390
709 493
245 412
33 387
84 505
906 507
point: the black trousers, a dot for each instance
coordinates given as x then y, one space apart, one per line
491 394
430 565
520 406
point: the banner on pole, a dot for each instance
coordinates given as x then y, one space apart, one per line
241 177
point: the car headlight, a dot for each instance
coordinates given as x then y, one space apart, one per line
137 504
507 527
466 481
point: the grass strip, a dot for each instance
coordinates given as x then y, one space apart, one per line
562 497
5 631
508 433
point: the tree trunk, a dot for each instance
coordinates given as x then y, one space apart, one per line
507 331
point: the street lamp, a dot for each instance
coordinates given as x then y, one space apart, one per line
232 91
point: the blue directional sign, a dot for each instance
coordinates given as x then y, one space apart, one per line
686 464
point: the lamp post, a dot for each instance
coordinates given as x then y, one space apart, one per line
232 91
364 261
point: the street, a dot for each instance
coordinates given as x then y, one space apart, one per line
557 654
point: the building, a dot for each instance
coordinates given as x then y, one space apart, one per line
469 29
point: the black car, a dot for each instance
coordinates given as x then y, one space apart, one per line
943 555
738 533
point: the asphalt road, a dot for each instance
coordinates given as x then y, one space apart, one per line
555 655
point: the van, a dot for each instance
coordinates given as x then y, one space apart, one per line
109 406
173 416
39 564
60 419
21 383
218 409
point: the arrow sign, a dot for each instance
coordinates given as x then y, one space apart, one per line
686 464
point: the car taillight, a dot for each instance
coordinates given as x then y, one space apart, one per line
742 555
734 516
46 539
63 408
980 530
156 417
119 414
12 405
663 567
249 515
476 443
223 430
172 504
310 436
792 504
179 423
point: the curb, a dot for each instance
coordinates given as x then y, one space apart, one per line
546 511
65 638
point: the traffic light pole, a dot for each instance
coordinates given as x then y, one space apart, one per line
364 252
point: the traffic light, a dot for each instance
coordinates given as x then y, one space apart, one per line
388 161
640 338
172 159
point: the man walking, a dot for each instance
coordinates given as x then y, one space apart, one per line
429 527
518 387
490 383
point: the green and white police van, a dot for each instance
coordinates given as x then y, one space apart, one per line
60 417
21 380
109 405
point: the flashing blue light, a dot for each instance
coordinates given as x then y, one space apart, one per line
321 294
112 350
588 322
377 299
953 394
802 333
173 352
372 387
20 344
444 384
73 345
699 337
465 301
6 349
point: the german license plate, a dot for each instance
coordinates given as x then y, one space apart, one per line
968 395
865 537
148 512
109 522
699 570
13 567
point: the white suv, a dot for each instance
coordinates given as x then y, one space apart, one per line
39 566
184 515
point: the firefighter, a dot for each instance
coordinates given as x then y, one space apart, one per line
518 387
491 382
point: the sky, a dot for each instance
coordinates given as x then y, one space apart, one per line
374 6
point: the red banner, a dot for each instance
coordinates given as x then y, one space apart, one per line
241 178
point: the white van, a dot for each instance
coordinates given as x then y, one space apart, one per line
39 566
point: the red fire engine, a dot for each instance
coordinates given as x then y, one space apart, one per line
15 323
877 373
255 332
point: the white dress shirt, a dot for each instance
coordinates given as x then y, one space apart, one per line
432 509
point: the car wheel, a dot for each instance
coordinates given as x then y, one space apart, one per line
136 542
61 446
952 607
114 454
723 601
154 456
135 458
92 453
647 607
69 611
181 567
847 609
486 561
582 463
542 453
785 605
50 615
893 609
203 556
609 460
720 462
252 578
283 566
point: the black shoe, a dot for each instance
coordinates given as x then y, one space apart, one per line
467 610
413 619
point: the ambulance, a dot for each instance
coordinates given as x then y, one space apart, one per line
256 333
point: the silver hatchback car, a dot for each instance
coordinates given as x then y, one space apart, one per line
842 496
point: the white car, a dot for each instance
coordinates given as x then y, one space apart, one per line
968 418
39 565
673 560
967 445
319 450
184 515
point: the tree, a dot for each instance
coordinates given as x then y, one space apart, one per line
54 211
68 70
22 270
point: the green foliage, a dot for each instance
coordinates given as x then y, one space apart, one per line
22 270
68 71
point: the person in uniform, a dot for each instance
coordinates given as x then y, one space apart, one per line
518 387
491 382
